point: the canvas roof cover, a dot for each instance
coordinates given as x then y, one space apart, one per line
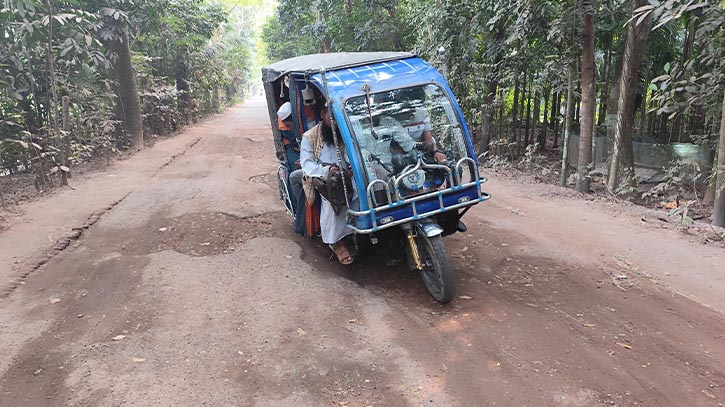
330 61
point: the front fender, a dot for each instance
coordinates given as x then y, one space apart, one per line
428 226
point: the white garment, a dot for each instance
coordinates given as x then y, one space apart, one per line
418 124
332 227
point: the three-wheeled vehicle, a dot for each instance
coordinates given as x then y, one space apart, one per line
414 168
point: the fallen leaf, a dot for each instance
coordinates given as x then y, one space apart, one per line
624 345
301 331
118 337
138 360
54 300
465 297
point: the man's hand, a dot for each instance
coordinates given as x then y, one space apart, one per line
440 157
334 169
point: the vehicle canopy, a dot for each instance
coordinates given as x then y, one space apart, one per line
366 89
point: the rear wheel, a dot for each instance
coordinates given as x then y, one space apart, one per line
437 274
284 192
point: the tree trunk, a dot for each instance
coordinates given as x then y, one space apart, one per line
611 119
631 58
589 96
605 89
527 128
2 198
545 122
522 113
567 127
515 108
491 89
53 100
645 92
709 198
535 121
65 142
686 54
215 100
487 122
555 110
501 113
718 212
182 85
128 99
325 44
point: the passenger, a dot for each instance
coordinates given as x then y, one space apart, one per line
289 140
318 157
298 200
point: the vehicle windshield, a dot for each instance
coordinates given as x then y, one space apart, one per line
394 128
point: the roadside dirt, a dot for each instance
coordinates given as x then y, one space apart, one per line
194 291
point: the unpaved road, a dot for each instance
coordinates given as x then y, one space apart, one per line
194 291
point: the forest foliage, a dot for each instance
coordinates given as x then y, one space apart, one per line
646 71
185 58
525 72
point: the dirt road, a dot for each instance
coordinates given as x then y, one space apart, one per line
190 289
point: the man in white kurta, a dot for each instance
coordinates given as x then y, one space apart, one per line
317 157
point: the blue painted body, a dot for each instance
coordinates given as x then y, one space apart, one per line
343 84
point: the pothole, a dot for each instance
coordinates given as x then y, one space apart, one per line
200 234
209 234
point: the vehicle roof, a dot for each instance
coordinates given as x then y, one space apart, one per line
348 82
330 61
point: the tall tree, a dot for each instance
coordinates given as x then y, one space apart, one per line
632 56
128 101
588 85
718 213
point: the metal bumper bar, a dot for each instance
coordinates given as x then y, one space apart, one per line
413 201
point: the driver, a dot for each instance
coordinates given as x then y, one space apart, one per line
382 147
418 123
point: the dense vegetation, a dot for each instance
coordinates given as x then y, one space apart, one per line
81 78
526 71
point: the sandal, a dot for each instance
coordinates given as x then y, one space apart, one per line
343 255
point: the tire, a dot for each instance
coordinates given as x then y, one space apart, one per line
284 195
437 274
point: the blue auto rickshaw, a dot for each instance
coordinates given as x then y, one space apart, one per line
414 168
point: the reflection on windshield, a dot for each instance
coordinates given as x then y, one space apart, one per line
394 129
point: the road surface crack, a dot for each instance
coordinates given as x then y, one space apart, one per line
61 244
177 155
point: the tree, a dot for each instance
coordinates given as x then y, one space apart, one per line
637 33
718 212
128 102
589 93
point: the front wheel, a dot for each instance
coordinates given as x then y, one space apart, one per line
437 274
